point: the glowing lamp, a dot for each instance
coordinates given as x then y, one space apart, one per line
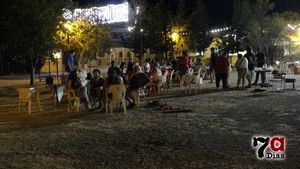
175 36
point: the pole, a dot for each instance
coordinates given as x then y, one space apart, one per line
166 46
57 70
32 72
141 45
49 67
2 64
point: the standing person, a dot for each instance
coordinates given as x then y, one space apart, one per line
250 57
185 64
213 60
260 61
242 68
222 70
71 61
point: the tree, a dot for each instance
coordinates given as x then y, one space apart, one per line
179 32
198 28
290 17
255 24
155 19
29 28
156 23
134 39
87 39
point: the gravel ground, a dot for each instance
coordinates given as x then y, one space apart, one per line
216 134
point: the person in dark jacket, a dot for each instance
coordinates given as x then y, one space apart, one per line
222 70
213 59
97 88
260 61
137 81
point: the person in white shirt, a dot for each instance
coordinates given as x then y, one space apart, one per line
242 68
156 73
82 75
147 67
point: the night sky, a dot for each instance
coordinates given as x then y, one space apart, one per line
219 11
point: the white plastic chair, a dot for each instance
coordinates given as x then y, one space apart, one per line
137 96
171 79
26 95
115 94
162 82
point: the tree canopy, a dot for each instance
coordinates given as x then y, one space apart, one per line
28 28
82 36
166 30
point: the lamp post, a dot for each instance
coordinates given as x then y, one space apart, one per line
141 43
56 57
68 26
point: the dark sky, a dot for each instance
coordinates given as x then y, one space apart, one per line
220 11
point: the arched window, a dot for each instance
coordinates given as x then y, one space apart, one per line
128 54
120 54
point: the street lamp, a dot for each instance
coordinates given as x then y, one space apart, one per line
175 37
141 43
57 56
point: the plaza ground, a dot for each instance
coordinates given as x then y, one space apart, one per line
216 134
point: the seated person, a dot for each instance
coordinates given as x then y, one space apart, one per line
155 73
96 87
74 82
137 81
113 78
129 72
78 84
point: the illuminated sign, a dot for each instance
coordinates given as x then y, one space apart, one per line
104 14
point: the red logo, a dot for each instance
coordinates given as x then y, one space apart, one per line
270 148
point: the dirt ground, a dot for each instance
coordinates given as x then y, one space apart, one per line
216 134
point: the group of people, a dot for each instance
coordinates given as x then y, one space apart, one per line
92 87
221 66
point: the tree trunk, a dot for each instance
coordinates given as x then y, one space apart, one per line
32 72
2 65
80 62
166 46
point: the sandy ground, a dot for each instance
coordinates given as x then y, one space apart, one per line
216 134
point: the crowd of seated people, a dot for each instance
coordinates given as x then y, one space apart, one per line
91 88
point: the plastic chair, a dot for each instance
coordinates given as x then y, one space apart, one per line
26 95
71 96
115 94
137 96
57 94
198 81
162 82
190 71
186 80
171 79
